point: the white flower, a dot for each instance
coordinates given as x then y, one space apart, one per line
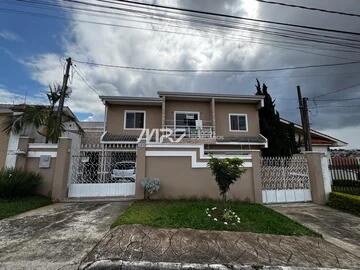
209 215
215 219
225 223
238 221
213 208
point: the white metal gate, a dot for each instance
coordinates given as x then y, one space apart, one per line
103 172
285 179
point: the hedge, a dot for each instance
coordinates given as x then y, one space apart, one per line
343 201
15 183
346 186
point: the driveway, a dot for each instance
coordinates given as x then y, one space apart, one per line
340 228
56 236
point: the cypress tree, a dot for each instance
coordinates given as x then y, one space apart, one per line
281 136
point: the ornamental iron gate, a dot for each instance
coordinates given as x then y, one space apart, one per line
103 172
285 179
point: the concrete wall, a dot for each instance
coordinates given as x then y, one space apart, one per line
222 111
319 175
4 140
55 177
179 179
115 118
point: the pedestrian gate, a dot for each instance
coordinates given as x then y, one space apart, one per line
285 179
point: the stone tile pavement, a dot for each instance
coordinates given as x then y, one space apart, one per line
338 227
131 243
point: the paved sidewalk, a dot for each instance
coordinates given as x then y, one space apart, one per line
136 243
57 236
340 228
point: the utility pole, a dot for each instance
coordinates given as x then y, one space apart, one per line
307 123
63 91
301 108
304 120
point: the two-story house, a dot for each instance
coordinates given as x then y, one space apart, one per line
219 121
171 137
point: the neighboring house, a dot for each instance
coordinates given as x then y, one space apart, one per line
9 142
320 142
92 133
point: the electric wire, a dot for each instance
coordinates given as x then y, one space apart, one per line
310 8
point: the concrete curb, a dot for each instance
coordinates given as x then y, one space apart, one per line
145 265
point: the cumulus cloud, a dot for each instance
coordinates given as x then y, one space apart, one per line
196 50
9 97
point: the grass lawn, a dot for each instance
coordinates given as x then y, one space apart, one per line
191 214
13 207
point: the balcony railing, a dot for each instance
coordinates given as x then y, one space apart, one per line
191 132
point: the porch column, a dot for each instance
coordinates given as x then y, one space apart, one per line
213 116
163 120
256 167
62 167
140 169
320 182
21 156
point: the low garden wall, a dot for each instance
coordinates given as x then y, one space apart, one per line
51 161
183 173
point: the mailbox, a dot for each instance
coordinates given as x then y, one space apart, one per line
44 161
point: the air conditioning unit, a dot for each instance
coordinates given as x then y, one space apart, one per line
199 124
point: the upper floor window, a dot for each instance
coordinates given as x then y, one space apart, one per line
134 119
238 122
186 119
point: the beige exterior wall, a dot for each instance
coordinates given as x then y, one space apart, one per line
54 182
32 164
115 118
203 107
4 140
222 111
178 180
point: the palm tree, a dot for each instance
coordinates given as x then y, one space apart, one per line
42 117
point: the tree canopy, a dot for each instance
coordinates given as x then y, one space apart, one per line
281 136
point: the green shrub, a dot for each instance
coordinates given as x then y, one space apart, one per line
343 201
18 183
346 186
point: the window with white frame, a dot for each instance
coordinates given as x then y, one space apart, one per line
238 122
134 120
186 119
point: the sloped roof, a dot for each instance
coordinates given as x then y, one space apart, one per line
317 137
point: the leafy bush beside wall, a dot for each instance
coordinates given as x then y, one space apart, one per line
346 186
18 183
343 201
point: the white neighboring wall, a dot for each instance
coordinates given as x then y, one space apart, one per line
13 144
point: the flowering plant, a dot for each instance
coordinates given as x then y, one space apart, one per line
225 216
150 186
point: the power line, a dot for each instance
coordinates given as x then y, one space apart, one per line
337 99
302 38
215 70
336 91
96 91
234 17
310 8
246 29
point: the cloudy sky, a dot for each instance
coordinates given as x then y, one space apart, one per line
33 47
